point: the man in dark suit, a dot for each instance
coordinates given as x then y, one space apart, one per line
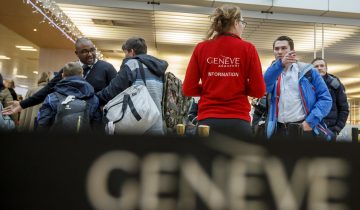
97 72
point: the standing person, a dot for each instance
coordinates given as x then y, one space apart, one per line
336 119
10 84
259 116
5 95
28 117
97 72
71 87
299 96
6 123
135 50
6 98
229 69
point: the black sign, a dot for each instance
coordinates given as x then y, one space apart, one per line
155 173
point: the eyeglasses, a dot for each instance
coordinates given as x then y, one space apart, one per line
86 51
243 22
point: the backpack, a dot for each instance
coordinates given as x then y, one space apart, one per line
73 115
174 104
6 123
132 111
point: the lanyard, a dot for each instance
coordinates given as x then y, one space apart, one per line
88 72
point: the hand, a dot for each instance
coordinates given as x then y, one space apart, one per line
306 126
253 101
13 108
289 58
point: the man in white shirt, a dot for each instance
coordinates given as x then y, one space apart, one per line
299 96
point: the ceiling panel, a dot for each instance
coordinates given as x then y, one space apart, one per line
173 35
163 29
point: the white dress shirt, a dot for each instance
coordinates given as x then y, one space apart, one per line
290 105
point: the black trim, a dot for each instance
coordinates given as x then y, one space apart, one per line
142 72
127 101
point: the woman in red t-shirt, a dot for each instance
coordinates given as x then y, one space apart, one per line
229 69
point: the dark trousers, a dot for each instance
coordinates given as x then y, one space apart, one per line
293 130
228 126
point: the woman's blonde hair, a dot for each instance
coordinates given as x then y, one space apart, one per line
44 77
222 19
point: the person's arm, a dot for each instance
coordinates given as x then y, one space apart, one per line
46 114
191 86
324 102
342 107
110 74
272 74
122 81
13 94
255 86
95 115
37 98
40 96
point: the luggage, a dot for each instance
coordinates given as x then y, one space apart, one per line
132 111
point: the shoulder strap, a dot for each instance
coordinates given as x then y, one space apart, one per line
142 72
128 102
164 94
334 82
278 87
60 96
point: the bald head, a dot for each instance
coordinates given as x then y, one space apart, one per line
85 50
81 41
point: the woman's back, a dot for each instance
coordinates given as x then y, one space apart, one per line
229 70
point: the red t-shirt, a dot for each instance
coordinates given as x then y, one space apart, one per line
230 70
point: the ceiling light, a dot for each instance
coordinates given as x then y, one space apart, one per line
34 29
24 47
179 37
4 57
21 76
28 49
35 72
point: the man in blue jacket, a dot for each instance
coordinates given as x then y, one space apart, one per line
299 97
336 119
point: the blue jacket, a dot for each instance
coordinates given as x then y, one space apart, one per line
76 86
316 99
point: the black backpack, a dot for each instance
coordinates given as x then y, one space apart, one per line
73 115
